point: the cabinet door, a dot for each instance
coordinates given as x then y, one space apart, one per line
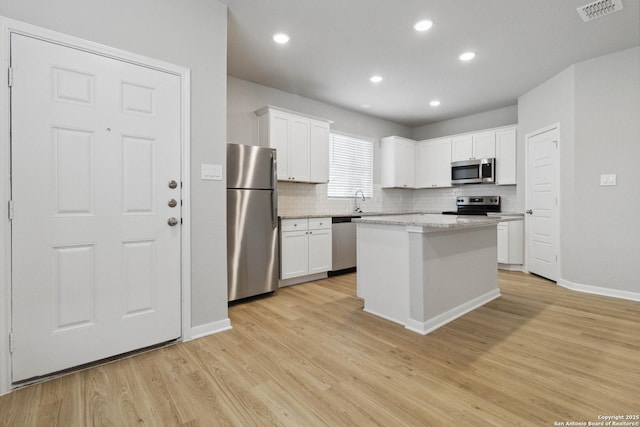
484 145
319 251
503 243
516 242
299 149
442 163
405 164
506 157
425 168
461 148
279 139
294 254
319 152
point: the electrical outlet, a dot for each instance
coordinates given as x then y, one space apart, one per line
608 179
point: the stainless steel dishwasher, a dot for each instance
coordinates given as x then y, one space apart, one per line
343 244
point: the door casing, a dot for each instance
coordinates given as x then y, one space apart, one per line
8 26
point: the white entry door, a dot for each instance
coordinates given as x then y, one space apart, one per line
95 264
542 203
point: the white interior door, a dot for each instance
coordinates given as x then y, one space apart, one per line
542 203
95 264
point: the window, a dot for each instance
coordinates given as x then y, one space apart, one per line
350 166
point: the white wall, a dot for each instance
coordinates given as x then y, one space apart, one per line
603 250
597 104
192 34
488 119
245 97
551 102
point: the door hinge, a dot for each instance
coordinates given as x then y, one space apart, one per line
10 209
10 77
11 342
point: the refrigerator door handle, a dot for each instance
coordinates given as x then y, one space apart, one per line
274 193
274 177
274 209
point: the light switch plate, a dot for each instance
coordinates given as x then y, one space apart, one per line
211 172
608 179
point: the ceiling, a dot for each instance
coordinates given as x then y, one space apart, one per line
336 45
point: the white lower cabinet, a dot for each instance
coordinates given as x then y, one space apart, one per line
510 242
305 247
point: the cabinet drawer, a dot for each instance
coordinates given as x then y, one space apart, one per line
319 223
294 224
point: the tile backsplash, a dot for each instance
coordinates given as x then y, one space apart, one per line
307 199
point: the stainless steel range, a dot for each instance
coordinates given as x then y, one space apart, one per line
475 205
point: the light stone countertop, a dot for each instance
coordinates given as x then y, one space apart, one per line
438 222
368 214
351 214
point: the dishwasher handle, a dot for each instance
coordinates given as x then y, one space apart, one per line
342 219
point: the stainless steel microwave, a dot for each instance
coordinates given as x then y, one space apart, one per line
473 171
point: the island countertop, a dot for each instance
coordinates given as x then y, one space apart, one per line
437 222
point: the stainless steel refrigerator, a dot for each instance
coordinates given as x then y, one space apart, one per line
252 221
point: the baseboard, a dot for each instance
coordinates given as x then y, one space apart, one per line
511 267
423 328
210 328
606 292
282 283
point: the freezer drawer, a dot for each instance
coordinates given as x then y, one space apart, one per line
253 257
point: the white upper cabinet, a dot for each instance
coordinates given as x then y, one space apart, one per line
319 154
427 164
433 167
398 162
484 145
506 157
302 144
480 145
461 148
298 148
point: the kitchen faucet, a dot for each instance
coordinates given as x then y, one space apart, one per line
356 206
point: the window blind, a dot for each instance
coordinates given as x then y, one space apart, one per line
350 166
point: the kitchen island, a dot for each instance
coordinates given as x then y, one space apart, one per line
425 270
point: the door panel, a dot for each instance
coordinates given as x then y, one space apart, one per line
542 235
95 266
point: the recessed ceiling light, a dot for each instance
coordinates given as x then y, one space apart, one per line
434 103
423 25
366 106
281 38
376 79
467 56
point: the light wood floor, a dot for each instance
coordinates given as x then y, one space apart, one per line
310 356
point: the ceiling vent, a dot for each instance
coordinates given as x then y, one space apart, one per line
598 9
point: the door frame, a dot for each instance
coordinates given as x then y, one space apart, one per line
556 172
9 26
